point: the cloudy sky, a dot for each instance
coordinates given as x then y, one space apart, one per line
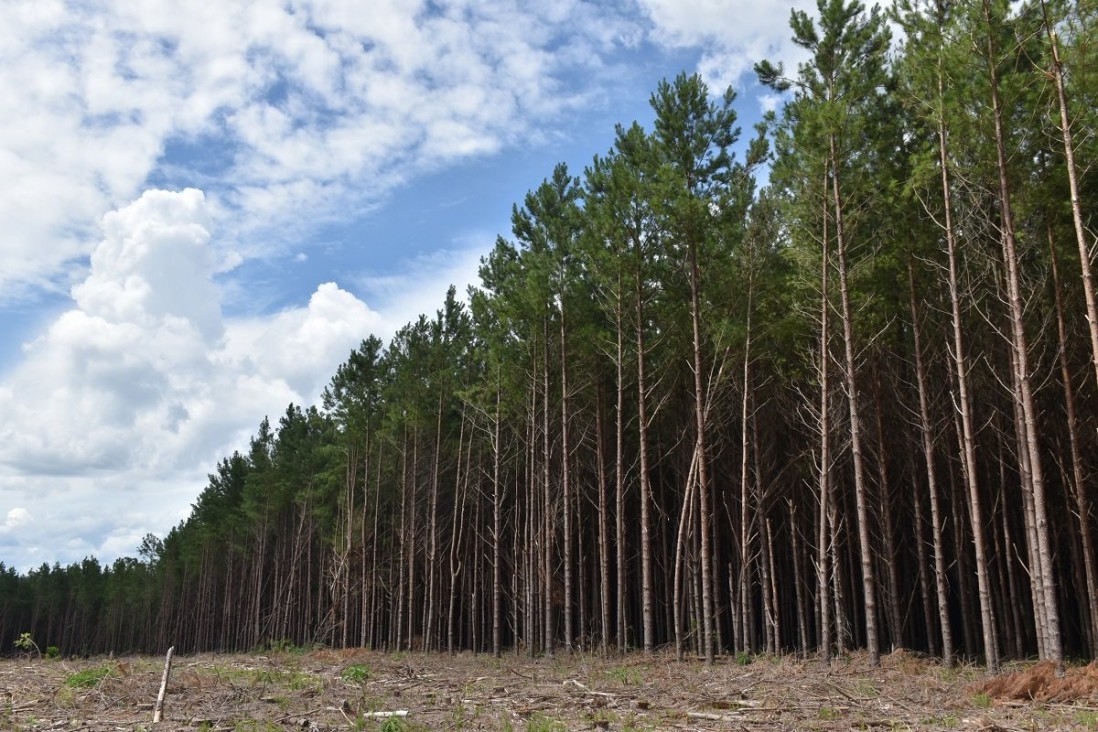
206 206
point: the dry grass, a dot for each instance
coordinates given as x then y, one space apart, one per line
346 690
1040 682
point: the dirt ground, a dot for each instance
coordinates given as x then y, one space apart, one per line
359 690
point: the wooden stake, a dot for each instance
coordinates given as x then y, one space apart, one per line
159 708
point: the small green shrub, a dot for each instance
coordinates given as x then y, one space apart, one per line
356 674
88 678
53 652
393 724
26 643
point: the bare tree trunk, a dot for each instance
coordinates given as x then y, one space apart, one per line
1085 256
941 589
566 486
432 544
457 532
603 534
648 612
619 493
547 505
823 537
497 527
798 581
1077 481
686 518
892 606
964 404
704 517
742 639
1051 631
869 585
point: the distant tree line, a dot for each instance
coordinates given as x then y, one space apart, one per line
854 408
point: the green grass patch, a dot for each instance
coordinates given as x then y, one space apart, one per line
89 678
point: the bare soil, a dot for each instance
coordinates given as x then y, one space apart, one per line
359 690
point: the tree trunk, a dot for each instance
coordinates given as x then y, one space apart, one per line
1077 475
700 446
1085 255
869 586
647 589
1051 631
940 586
964 404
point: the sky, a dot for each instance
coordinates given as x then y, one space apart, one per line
206 207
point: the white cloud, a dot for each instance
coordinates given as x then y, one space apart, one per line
735 34
305 110
15 518
109 425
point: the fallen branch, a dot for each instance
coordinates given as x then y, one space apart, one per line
159 708
711 717
384 715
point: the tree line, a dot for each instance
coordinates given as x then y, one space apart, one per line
852 407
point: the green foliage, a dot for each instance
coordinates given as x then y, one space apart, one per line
356 674
393 724
88 678
25 643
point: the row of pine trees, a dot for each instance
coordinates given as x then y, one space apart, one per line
852 408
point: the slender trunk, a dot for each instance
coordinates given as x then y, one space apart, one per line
457 531
823 573
964 403
892 606
869 585
745 599
940 587
798 581
1077 480
686 518
704 517
497 525
547 503
647 589
1085 255
1051 631
619 491
566 488
603 534
432 545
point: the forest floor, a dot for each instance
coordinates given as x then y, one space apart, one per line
360 690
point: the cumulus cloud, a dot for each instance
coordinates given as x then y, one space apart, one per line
734 33
15 518
119 409
286 113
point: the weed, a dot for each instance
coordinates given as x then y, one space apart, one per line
1087 719
867 689
541 723
356 674
393 724
88 678
53 652
627 676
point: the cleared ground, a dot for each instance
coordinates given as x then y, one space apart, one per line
339 690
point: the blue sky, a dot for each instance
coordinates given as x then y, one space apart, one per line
206 206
